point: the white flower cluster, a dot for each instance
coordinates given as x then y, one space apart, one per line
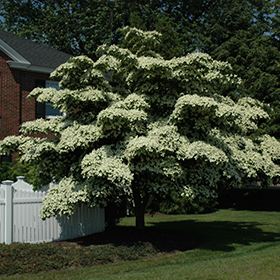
114 121
55 125
79 72
33 151
69 100
159 141
11 144
140 33
101 165
146 43
78 136
248 157
241 115
203 151
64 198
81 62
270 147
122 56
106 63
132 101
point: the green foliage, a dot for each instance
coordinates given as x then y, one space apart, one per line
74 27
256 61
254 199
244 33
5 173
171 45
69 26
10 171
193 205
79 28
136 21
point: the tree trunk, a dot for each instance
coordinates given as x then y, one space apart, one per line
140 207
140 217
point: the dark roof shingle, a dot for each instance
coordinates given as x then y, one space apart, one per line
36 54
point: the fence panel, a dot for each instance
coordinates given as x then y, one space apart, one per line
26 223
27 226
2 213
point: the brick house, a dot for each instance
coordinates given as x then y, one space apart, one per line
24 65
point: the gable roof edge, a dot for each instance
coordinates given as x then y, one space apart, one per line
13 54
28 67
19 62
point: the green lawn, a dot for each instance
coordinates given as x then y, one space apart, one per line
236 244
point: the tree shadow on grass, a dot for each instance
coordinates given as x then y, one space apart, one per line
162 240
174 236
222 235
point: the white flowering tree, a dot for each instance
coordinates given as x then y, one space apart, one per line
159 126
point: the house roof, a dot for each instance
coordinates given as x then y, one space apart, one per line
30 56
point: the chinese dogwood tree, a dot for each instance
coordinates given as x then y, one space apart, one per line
159 126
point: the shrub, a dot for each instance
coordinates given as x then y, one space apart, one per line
21 258
10 171
175 204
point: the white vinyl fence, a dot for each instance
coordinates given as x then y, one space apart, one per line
20 220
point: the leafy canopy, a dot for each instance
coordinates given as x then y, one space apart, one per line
159 126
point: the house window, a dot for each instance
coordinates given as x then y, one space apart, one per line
5 159
46 110
52 112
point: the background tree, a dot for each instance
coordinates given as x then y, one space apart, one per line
161 128
11 170
72 26
241 32
68 26
170 44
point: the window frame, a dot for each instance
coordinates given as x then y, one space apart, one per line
41 108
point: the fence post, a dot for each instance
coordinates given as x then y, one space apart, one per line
20 180
9 221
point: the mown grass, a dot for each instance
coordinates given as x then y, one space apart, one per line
235 244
